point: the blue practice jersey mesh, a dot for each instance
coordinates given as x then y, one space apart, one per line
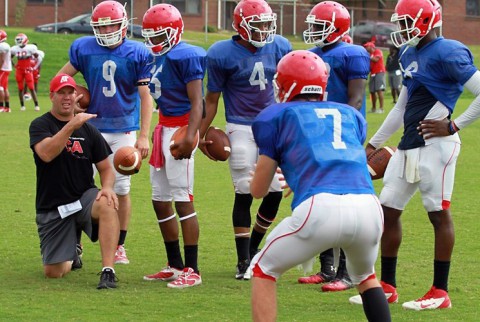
244 78
170 74
344 62
318 146
435 72
111 76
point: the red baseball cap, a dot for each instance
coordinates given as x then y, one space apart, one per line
60 81
369 44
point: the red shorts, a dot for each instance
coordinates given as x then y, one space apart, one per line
22 76
4 79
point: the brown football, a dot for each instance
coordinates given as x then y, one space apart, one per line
178 136
220 148
85 100
378 160
127 160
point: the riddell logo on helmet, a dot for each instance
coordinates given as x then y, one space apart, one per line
312 89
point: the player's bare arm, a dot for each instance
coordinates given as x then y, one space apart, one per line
211 107
194 91
356 92
49 148
143 144
263 176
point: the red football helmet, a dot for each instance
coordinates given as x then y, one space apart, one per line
21 40
162 28
3 35
109 13
327 22
415 18
299 72
255 22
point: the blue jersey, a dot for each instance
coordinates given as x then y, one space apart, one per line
435 72
111 76
244 77
171 73
344 62
318 146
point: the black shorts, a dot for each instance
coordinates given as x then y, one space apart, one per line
58 237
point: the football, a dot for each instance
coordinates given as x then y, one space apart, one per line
85 100
127 160
378 160
178 136
220 148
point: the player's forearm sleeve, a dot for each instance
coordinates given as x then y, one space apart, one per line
473 111
393 121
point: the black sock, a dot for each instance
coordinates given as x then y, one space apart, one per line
342 267
123 235
255 240
242 244
375 305
79 236
326 262
441 270
173 254
191 257
7 104
389 270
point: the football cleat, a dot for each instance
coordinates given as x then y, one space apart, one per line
242 268
390 293
434 299
188 279
167 274
107 279
121 255
318 278
337 285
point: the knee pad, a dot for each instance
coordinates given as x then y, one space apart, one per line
242 186
122 185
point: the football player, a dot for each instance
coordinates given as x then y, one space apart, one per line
315 143
24 52
116 71
349 65
242 69
177 87
435 70
5 69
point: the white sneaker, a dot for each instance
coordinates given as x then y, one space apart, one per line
27 96
37 108
22 108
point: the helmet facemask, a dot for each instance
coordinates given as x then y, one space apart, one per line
113 38
260 29
408 33
319 30
167 39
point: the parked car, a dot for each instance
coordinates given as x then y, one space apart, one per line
81 25
367 30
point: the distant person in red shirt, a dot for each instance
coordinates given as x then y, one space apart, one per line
377 76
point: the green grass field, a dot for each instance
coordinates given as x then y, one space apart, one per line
27 296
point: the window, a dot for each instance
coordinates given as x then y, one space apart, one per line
189 7
472 8
44 1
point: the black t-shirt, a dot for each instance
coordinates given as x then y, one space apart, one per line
70 174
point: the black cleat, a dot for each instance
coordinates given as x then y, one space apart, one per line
242 267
